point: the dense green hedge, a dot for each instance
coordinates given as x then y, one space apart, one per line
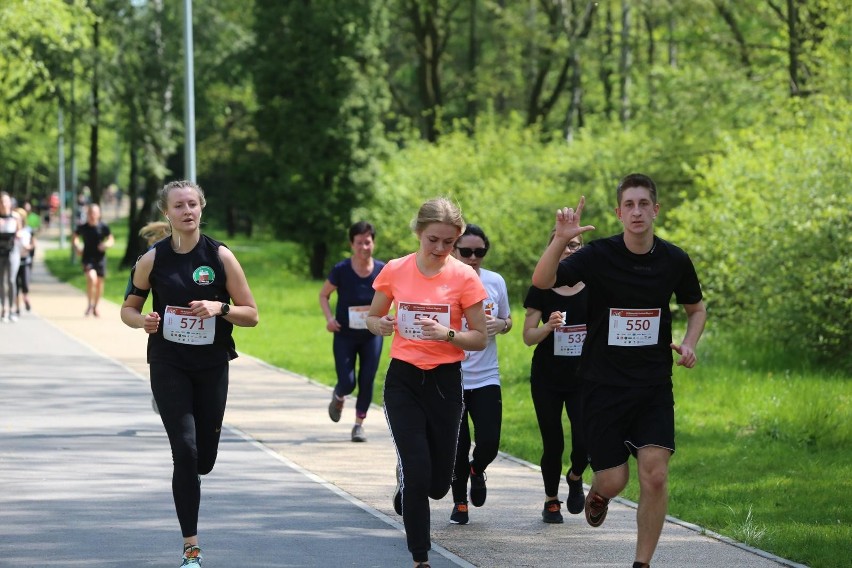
510 182
767 220
772 230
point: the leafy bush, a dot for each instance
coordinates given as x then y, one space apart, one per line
771 231
509 179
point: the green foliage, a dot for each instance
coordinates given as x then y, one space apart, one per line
322 95
39 40
510 182
770 232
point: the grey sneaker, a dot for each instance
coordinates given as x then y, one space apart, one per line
335 408
358 434
191 556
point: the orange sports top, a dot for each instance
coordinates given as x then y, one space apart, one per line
443 296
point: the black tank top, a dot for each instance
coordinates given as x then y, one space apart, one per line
177 279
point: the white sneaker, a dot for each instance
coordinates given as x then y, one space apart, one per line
4 319
13 318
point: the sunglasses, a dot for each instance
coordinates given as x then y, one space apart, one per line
466 252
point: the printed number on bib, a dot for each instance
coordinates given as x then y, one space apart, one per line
568 340
181 326
634 327
358 317
407 313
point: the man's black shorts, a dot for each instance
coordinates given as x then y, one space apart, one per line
619 420
99 266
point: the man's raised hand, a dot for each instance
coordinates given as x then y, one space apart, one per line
568 221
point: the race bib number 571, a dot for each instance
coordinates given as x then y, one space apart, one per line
634 327
181 326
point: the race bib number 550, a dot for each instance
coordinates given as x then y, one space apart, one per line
634 327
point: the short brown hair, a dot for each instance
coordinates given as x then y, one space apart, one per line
636 180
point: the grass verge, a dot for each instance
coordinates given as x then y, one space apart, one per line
763 439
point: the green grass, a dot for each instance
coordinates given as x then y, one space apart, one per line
763 440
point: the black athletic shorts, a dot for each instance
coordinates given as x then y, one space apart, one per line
620 420
99 266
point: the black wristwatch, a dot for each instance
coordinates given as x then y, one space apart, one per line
450 335
226 309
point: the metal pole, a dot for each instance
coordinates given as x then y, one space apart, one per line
189 93
61 180
75 210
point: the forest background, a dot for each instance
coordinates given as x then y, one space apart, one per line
314 114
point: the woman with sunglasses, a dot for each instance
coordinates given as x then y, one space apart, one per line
555 384
430 291
481 374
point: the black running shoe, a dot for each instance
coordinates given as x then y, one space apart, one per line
552 512
478 491
576 498
596 508
459 514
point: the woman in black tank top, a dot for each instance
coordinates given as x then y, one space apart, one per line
200 294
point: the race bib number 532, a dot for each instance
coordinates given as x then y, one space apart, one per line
634 327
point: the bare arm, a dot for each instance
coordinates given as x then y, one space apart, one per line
378 320
244 310
331 324
535 334
696 317
131 309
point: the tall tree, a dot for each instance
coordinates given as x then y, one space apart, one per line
142 75
320 85
40 38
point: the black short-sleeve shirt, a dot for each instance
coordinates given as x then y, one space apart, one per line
619 279
556 372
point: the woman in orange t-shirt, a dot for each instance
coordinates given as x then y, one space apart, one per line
429 290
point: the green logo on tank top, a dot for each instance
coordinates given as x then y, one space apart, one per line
204 276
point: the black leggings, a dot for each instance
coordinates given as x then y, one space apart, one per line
549 404
192 407
485 408
367 350
423 410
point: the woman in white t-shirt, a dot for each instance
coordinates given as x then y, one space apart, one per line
481 374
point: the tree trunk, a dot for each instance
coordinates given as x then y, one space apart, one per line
650 25
606 70
94 186
319 251
793 48
429 48
472 54
134 246
625 63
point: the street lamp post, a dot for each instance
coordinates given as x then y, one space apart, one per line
189 93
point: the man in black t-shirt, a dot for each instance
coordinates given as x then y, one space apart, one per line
91 240
627 356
